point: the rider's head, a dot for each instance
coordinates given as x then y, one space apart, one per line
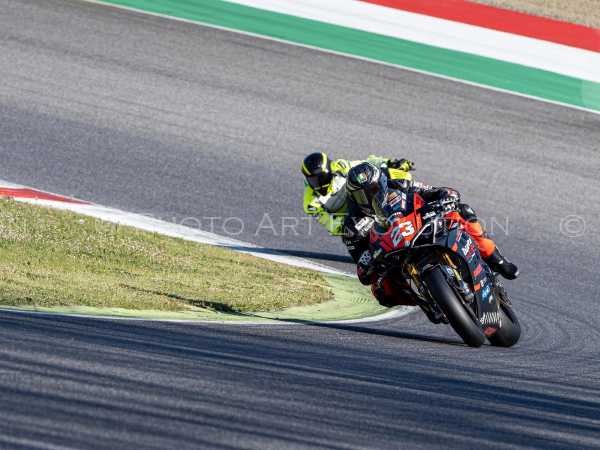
364 182
316 167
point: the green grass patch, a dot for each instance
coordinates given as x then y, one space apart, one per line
51 258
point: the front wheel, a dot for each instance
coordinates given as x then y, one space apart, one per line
510 331
454 309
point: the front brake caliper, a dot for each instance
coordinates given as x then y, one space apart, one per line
459 284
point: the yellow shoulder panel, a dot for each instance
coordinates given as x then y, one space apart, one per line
397 174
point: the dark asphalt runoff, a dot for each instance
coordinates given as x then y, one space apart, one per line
193 124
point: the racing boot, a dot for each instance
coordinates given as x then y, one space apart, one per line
501 265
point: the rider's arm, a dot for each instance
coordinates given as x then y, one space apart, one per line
341 166
403 165
364 268
399 174
333 223
432 193
399 164
375 160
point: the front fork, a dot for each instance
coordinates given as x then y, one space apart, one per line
456 280
453 276
451 272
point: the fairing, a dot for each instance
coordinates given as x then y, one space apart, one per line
405 233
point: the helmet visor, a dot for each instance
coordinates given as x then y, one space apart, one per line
364 196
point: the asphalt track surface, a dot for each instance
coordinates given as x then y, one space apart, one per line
183 121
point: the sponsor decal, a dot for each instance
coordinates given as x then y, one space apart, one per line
468 248
364 225
362 177
365 258
465 249
394 198
449 271
490 318
486 292
471 255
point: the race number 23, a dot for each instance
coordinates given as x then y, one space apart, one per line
403 230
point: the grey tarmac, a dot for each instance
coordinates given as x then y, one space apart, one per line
189 123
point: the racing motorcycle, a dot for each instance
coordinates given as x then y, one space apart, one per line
440 264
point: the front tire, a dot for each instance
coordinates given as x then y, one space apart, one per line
454 309
510 332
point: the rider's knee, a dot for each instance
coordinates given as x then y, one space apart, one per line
467 212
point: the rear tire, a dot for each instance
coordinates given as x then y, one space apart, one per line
510 332
457 314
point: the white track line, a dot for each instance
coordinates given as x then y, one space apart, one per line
145 223
395 313
440 33
346 55
150 224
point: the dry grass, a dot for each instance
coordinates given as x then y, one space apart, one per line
585 12
56 258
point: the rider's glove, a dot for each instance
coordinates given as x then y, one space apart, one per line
449 200
402 164
449 195
368 264
363 226
364 268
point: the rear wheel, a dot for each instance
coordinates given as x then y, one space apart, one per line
510 332
454 309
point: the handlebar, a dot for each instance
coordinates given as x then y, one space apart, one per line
443 205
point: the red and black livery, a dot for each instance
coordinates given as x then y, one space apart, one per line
425 248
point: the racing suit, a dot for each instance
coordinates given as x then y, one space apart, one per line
333 211
389 293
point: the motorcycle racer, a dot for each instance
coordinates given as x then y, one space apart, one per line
376 195
325 194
